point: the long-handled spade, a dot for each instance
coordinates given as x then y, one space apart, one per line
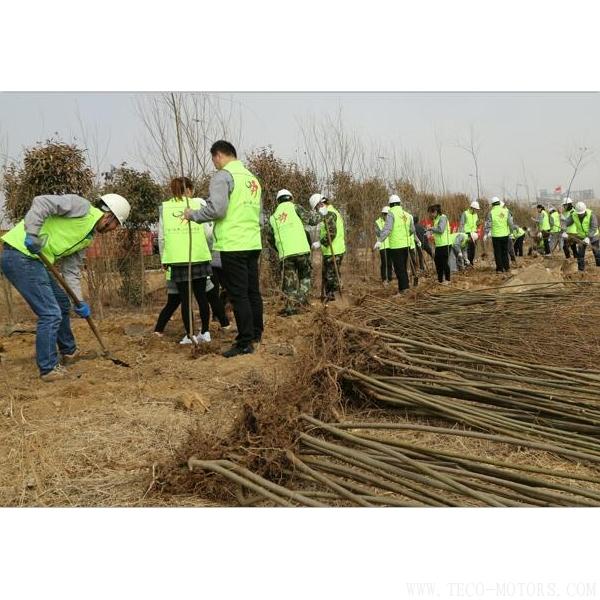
58 276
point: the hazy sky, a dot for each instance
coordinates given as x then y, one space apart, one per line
531 129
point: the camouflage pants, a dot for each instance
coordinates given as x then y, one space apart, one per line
297 271
330 281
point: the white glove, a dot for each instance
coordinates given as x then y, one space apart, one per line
209 284
323 210
377 245
316 245
418 242
539 235
485 237
467 262
586 241
564 235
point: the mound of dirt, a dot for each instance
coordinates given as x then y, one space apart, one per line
537 273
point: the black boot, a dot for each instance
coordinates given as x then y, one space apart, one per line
236 350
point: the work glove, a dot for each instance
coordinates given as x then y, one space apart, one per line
377 245
187 213
316 245
564 235
539 235
323 210
467 262
33 243
418 242
485 237
83 310
586 241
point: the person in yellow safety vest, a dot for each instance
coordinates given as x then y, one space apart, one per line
61 228
586 229
332 231
174 246
567 211
459 249
469 221
287 235
441 237
518 237
555 228
499 224
234 204
384 256
542 222
399 232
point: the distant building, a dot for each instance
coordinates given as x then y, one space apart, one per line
554 197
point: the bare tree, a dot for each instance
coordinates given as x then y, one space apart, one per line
96 149
439 147
472 145
578 157
204 118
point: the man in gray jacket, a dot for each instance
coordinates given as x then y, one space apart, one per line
60 228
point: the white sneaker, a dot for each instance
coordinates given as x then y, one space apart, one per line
187 340
203 337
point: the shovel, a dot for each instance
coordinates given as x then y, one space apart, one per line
57 274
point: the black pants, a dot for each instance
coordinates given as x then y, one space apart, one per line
580 254
519 245
399 258
547 245
173 303
470 249
500 245
216 304
240 271
199 291
573 249
441 262
386 265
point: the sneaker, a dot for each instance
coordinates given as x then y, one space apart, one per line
68 359
238 350
186 340
58 373
204 337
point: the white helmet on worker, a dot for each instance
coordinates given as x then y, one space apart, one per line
316 199
495 200
117 205
580 208
551 209
283 194
394 199
474 236
385 210
475 205
566 201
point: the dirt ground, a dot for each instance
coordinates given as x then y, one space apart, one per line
96 439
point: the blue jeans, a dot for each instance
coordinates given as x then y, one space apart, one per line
47 300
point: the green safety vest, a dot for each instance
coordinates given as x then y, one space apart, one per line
400 235
339 242
582 226
470 221
290 237
442 239
62 236
544 224
239 229
463 243
381 224
554 222
517 233
176 233
499 216
572 228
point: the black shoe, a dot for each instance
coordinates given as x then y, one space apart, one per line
237 350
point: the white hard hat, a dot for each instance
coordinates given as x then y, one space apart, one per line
475 205
394 199
580 208
315 200
474 236
118 206
282 193
495 200
385 210
551 208
567 201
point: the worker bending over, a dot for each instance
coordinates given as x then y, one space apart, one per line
586 230
459 249
60 228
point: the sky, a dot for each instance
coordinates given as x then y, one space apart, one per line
524 137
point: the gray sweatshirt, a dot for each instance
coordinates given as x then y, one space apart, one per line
67 205
219 189
593 226
441 226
